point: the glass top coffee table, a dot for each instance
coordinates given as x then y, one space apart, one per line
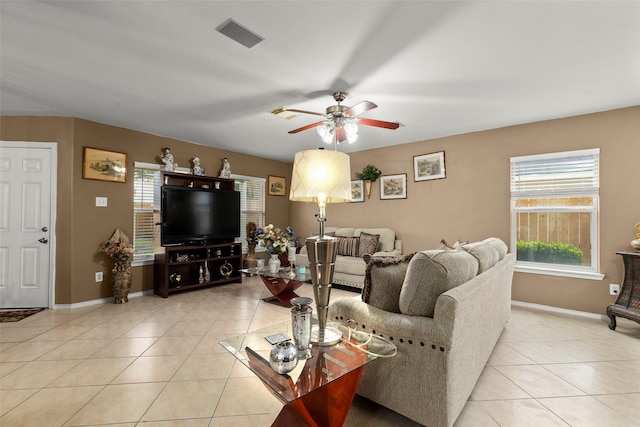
281 284
319 390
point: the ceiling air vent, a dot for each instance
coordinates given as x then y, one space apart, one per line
283 113
237 32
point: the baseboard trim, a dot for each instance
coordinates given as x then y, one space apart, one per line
98 301
558 310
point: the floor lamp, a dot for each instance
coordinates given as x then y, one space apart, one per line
322 177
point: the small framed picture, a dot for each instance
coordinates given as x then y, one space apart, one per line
104 165
357 190
428 166
277 185
393 186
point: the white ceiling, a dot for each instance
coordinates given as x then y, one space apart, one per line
438 67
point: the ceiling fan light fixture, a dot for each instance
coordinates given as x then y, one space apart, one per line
351 128
326 132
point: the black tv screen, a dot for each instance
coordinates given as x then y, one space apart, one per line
199 216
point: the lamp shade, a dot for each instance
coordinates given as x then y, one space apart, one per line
321 176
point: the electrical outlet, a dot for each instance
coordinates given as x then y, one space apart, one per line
614 289
99 276
101 202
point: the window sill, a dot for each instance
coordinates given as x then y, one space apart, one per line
590 275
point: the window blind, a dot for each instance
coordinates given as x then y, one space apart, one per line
145 210
557 174
251 203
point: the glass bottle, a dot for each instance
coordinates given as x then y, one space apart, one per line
301 313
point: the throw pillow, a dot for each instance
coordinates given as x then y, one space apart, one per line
348 246
368 243
383 281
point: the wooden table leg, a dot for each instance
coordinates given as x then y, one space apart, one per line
281 289
327 406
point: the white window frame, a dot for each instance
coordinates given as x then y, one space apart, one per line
261 213
147 259
590 187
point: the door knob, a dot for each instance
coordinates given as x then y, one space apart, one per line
43 240
45 229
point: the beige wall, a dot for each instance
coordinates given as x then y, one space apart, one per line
81 226
470 204
473 201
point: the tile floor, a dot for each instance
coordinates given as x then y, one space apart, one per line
157 362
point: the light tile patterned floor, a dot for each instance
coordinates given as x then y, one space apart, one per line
157 362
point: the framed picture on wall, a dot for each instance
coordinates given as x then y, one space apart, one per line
393 186
104 165
357 190
428 166
277 185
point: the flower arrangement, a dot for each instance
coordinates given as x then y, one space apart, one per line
274 240
118 248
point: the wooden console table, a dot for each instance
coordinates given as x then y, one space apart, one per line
627 303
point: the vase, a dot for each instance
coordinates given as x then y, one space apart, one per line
367 186
121 284
283 357
635 243
274 263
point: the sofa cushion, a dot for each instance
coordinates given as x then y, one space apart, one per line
368 243
499 245
431 273
348 246
383 281
486 254
350 265
387 240
345 232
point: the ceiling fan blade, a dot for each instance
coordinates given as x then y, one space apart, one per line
378 123
302 111
312 125
341 135
359 108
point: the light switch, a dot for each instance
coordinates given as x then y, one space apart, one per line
101 202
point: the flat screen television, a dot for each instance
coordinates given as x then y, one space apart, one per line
193 216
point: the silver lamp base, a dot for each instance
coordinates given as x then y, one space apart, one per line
326 336
322 251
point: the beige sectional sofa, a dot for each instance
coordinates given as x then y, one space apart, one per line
350 267
444 310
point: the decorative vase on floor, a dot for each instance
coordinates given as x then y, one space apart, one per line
121 285
274 263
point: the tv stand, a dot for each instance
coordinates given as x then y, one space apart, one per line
177 267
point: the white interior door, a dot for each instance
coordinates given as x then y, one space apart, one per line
26 224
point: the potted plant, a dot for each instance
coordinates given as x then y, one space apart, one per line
369 174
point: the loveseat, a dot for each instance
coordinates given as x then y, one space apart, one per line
353 243
444 310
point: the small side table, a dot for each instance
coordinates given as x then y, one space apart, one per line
627 303
319 390
280 284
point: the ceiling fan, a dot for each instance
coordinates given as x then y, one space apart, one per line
341 122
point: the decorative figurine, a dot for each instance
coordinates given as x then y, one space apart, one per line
226 169
167 159
197 169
